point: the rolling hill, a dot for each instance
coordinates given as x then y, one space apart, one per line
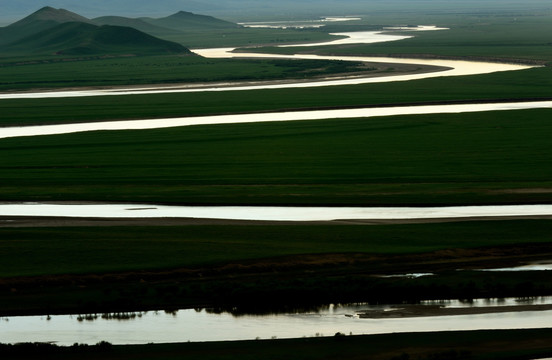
79 38
59 31
187 21
137 24
41 20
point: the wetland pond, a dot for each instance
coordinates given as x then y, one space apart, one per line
214 325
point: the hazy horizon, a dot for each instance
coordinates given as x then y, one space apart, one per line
242 10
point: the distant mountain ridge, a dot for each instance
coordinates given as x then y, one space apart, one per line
78 38
137 24
184 20
48 13
181 21
41 20
59 31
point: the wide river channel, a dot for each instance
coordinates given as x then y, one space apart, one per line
267 213
206 325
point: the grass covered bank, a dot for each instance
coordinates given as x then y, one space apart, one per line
57 251
264 268
105 71
495 157
453 345
523 85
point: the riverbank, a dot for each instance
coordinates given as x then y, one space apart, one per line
409 311
457 345
58 221
262 268
366 70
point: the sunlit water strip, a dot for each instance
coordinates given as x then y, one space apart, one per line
455 68
362 37
202 325
268 213
265 117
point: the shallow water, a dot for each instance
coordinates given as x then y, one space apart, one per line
297 24
360 37
529 267
267 213
203 325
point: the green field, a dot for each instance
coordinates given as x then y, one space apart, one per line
51 72
517 85
258 269
54 251
475 158
247 37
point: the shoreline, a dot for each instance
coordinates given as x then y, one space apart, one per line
62 221
380 71
411 311
265 284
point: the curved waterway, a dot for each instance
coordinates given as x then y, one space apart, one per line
265 117
268 213
205 325
452 68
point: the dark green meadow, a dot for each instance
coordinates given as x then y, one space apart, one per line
515 85
205 38
50 72
496 157
255 269
97 250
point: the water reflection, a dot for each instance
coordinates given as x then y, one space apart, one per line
543 266
236 324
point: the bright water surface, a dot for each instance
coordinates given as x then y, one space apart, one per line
267 213
265 117
202 325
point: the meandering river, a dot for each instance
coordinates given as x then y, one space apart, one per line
453 68
203 325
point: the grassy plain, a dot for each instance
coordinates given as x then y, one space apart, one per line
246 37
480 158
252 268
517 85
53 72
495 157
55 251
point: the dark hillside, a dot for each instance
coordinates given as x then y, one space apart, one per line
137 24
39 21
183 21
50 14
77 38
